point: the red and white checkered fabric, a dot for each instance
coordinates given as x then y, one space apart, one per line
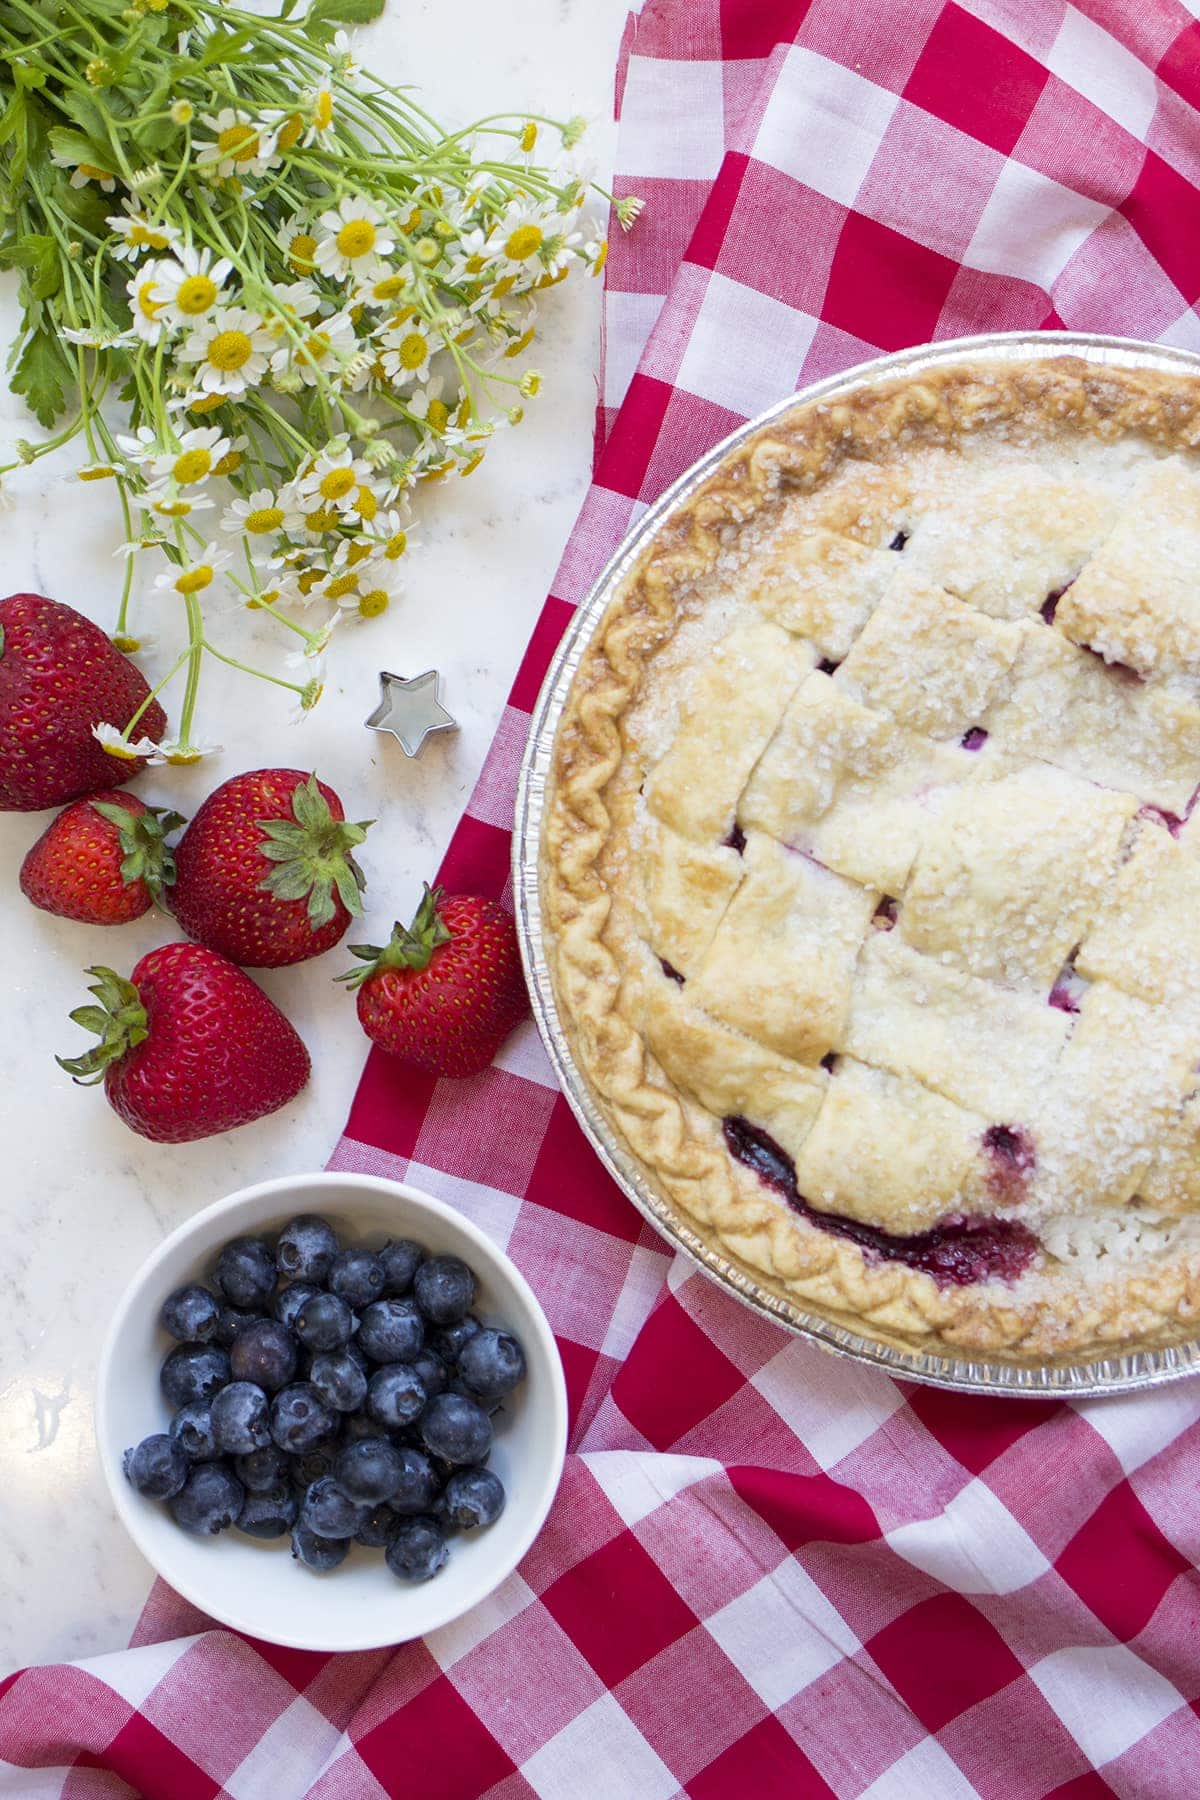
768 1572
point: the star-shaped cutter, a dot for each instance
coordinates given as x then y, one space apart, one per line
410 708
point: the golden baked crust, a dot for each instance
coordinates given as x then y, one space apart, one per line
1001 484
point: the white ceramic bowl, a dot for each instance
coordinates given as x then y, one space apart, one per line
258 1587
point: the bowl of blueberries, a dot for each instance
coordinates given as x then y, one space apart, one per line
331 1412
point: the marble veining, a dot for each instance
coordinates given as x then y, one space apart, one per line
84 1202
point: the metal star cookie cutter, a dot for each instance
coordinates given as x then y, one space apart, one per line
410 709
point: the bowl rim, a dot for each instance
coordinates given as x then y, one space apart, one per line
304 1185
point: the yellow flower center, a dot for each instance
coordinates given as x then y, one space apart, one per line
196 294
301 251
238 141
290 131
528 136
412 350
413 220
525 241
438 414
173 509
193 465
324 519
356 237
229 462
314 347
264 518
371 605
323 112
93 173
389 288
357 553
365 503
396 545
427 250
121 750
472 463
148 307
229 350
193 580
310 579
205 404
474 264
98 472
601 257
335 484
182 755
340 586
145 234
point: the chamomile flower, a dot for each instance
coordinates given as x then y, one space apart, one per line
382 285
83 172
146 303
333 479
370 597
94 339
230 349
292 303
196 574
516 240
353 237
324 349
342 60
194 458
262 514
304 124
171 502
298 242
117 744
406 353
136 233
241 145
428 405
391 534
191 283
97 471
181 753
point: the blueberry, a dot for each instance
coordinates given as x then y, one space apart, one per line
318 1553
241 1419
300 1419
417 1488
233 1321
193 1430
260 1471
309 1466
401 1259
491 1364
158 1466
306 1248
396 1396
451 1341
445 1289
378 1529
359 1425
473 1497
289 1300
432 1370
193 1372
369 1471
324 1323
330 1512
357 1277
269 1514
456 1429
391 1331
245 1272
340 1379
458 1386
417 1551
191 1314
266 1354
209 1500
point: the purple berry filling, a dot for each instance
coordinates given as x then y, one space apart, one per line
975 738
670 971
1012 1159
899 541
886 913
736 839
1062 998
826 667
1171 821
955 1253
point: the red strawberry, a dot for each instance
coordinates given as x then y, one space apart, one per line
444 995
189 1046
59 676
103 861
264 873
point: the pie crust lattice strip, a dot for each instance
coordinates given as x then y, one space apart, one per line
870 871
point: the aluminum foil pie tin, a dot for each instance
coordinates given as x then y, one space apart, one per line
1113 1375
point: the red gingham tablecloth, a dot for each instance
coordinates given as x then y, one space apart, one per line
768 1572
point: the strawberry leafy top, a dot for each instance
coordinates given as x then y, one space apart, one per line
119 1021
312 853
143 837
410 946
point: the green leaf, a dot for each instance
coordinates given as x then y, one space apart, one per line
324 13
41 376
227 47
79 147
30 251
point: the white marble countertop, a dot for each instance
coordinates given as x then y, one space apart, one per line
84 1201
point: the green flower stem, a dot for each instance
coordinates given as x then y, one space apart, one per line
170 675
275 680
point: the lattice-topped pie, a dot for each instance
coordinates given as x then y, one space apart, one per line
870 867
